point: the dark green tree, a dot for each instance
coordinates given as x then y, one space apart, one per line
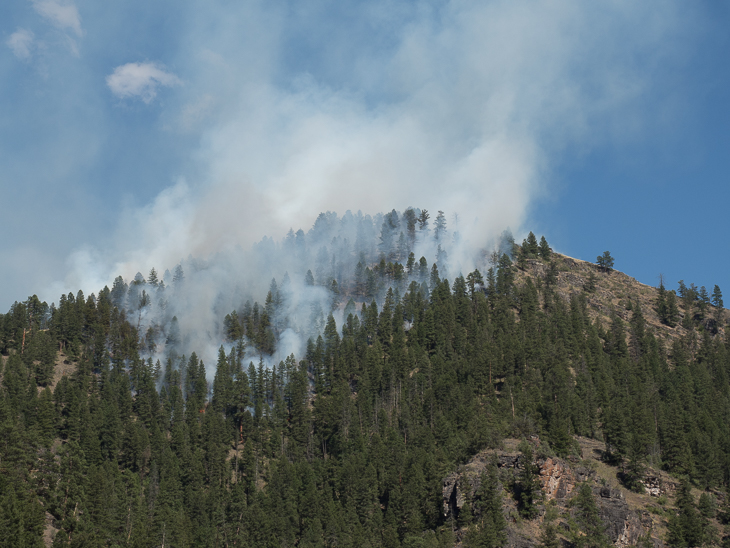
549 532
529 491
590 284
707 505
529 246
717 297
490 530
672 309
687 527
545 251
605 261
423 220
592 530
411 219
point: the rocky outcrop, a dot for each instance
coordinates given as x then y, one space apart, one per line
652 485
623 526
461 485
559 479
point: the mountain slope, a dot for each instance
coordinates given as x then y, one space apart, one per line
348 444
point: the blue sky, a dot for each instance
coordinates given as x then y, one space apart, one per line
136 133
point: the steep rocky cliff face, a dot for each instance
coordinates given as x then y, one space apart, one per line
559 478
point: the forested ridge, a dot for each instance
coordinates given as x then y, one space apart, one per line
348 444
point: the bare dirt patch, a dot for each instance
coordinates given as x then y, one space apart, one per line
63 367
49 531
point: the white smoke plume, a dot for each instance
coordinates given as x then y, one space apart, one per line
465 109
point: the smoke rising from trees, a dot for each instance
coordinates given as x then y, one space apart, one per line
281 294
466 111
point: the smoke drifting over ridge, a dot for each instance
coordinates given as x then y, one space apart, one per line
465 108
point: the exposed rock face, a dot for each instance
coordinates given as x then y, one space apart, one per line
653 485
559 479
623 526
460 486
453 497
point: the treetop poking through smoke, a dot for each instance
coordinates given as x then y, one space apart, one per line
339 264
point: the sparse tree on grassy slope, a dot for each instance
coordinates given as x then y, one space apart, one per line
605 261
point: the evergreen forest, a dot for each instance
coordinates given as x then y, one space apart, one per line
115 430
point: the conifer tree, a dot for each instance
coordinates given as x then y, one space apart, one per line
590 285
707 506
687 528
661 302
179 277
717 303
409 216
423 220
549 532
592 531
530 247
334 295
545 251
605 261
529 491
672 309
717 297
490 530
152 279
411 263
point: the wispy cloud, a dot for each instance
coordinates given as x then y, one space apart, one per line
140 80
21 42
61 14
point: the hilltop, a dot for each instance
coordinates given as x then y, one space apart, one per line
609 292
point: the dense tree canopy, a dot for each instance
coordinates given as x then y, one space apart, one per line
347 444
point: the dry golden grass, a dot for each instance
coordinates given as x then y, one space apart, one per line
612 293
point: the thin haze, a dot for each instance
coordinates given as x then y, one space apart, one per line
280 111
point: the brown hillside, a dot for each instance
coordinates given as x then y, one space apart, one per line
612 294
